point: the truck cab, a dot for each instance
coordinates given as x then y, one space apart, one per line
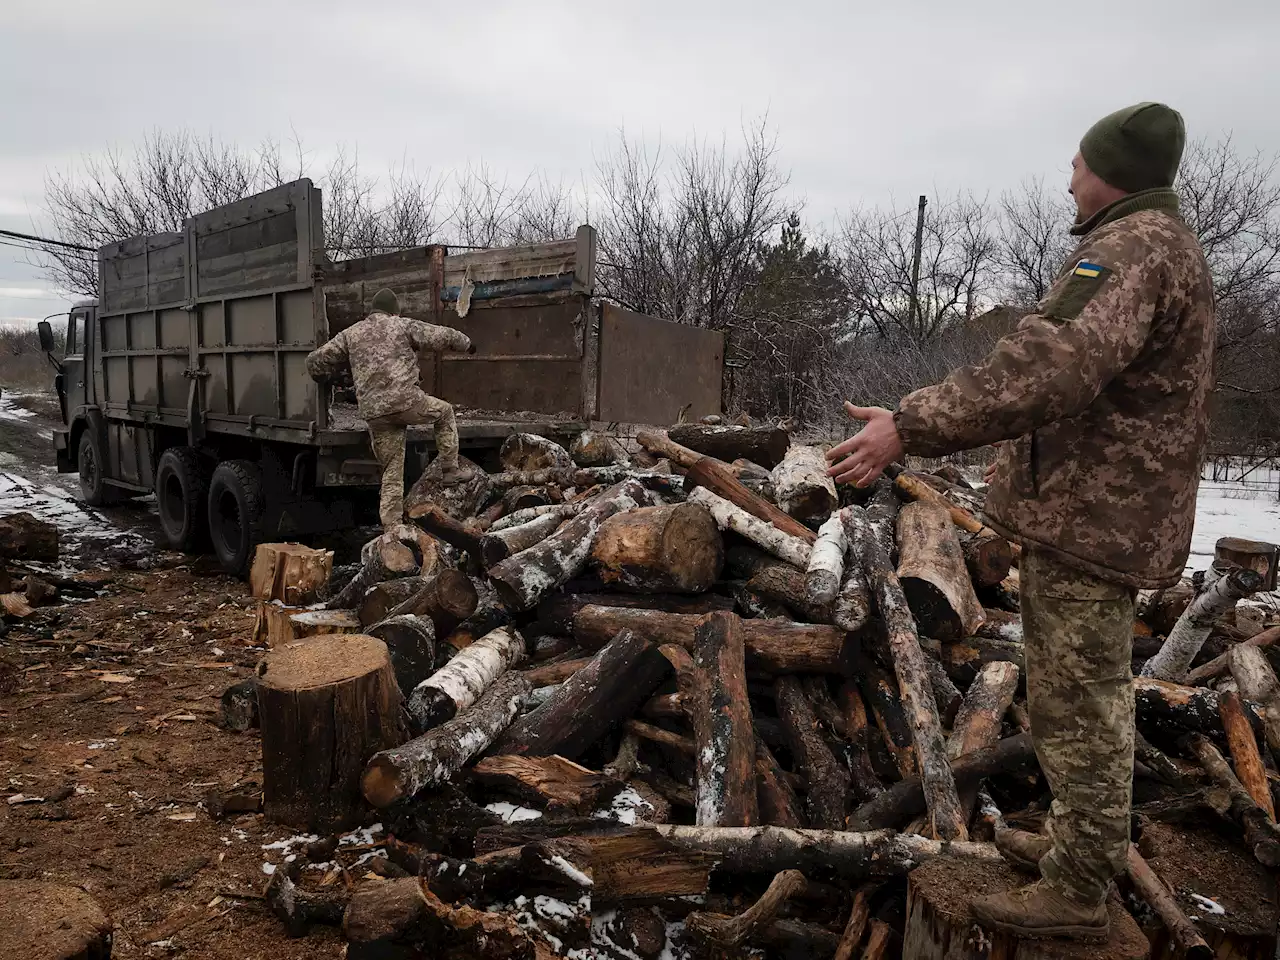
78 443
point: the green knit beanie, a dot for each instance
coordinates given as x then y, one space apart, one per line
386 301
1137 148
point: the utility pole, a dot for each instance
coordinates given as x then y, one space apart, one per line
915 266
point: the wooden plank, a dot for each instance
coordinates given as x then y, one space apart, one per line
509 263
650 370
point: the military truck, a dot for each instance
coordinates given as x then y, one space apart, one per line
186 378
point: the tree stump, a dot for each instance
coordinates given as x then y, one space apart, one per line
51 921
940 926
325 706
318 623
290 573
1253 555
676 548
24 537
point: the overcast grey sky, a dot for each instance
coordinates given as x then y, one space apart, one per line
868 100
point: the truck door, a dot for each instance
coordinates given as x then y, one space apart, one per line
73 364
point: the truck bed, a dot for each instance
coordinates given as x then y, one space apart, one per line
346 425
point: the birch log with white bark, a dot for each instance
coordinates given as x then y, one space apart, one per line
461 681
1195 624
826 563
801 485
763 534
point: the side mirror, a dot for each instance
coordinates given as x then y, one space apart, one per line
46 336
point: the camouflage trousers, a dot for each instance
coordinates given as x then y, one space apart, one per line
388 446
1078 630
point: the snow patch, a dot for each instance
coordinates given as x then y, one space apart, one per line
1208 906
510 813
624 807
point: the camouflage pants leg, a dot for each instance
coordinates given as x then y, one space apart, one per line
1078 630
439 414
388 447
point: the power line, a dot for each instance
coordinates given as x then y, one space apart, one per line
45 240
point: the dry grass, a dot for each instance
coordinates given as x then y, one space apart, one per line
22 363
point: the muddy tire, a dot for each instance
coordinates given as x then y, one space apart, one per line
182 495
236 506
93 484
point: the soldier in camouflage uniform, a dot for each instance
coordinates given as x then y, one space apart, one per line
382 352
1102 396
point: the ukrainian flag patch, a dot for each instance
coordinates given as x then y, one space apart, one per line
1086 269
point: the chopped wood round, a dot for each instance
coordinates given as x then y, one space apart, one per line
801 484
326 706
592 449
526 452
51 921
940 925
290 573
316 623
676 548
272 627
1251 554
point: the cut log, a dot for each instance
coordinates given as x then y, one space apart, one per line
374 569
439 523
717 476
489 615
940 924
521 580
801 484
24 537
775 580
828 781
777 646
858 731
963 660
1251 554
1174 708
881 692
850 855
318 623
676 548
730 932
1157 762
619 678
412 643
381 598
882 514
51 921
977 724
902 801
521 517
911 486
527 451
1182 931
472 933
325 705
446 599
1244 752
1257 682
384 918
496 546
765 445
272 626
726 795
555 672
240 705
825 572
289 572
859 914
728 516
775 798
946 695
556 612
593 449
934 578
437 755
460 501
656 734
946 815
1197 621
1260 833
558 783
461 681
879 942
524 497
988 557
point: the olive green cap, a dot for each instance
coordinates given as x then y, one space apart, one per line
1137 148
385 300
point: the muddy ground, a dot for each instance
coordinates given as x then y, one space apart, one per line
109 742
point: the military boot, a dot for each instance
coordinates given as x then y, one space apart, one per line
1037 911
1022 849
454 474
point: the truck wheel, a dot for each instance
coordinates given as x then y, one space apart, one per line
235 514
182 492
93 484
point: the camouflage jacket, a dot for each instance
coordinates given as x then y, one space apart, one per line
382 351
1104 391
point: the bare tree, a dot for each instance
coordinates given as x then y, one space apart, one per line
1033 240
958 253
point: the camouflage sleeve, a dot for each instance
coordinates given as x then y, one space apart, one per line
1092 324
324 363
430 336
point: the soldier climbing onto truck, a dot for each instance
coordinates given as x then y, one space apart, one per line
382 353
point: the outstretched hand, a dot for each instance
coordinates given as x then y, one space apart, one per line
863 457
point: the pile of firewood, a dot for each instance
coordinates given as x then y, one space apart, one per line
689 699
26 540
